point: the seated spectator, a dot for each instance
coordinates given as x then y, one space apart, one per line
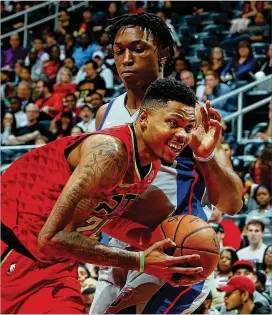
76 130
180 64
188 78
267 267
69 63
51 40
261 285
29 133
35 65
83 273
7 88
133 7
262 195
219 230
84 51
25 76
24 93
204 67
15 107
87 24
88 283
16 52
88 121
93 81
239 296
266 68
103 70
260 31
206 306
49 103
227 148
69 45
64 25
214 89
163 15
63 126
227 258
17 70
38 45
52 66
8 127
255 251
242 66
217 62
96 100
64 83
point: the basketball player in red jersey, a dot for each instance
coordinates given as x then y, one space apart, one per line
56 196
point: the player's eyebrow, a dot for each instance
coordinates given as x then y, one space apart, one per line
134 42
182 117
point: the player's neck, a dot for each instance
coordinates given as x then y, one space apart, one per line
134 99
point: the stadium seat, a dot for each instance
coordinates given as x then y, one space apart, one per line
254 148
260 48
210 41
221 18
260 127
203 53
261 59
213 29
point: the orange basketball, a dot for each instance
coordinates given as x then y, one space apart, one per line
192 235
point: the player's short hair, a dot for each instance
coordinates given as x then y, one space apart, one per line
161 91
154 25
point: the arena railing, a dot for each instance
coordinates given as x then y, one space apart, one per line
28 26
239 114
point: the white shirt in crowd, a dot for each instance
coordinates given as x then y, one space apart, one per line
252 255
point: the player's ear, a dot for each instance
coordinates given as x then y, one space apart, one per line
143 119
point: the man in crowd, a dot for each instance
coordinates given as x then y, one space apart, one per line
239 296
188 78
15 107
87 115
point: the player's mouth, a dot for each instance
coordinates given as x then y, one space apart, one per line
175 147
127 73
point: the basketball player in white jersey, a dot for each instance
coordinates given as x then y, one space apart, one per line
140 53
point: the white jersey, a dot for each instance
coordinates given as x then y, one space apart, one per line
175 190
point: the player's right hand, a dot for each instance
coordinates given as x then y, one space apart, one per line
170 269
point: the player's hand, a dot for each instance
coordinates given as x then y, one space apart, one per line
205 137
170 269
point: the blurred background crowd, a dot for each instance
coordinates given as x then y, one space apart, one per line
56 74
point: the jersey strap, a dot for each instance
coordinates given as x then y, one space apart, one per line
106 114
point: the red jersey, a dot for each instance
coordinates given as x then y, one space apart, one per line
33 183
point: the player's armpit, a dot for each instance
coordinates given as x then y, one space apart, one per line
102 163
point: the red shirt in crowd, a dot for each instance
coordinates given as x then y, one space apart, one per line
55 101
64 89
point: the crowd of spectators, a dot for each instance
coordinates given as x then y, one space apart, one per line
54 86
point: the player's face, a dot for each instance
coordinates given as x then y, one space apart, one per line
136 57
167 131
233 300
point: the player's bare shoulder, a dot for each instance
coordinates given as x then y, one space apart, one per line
100 114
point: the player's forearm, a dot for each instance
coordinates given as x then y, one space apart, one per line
224 187
131 232
75 246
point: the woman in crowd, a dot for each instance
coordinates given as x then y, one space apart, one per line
64 83
227 258
217 62
242 66
267 267
8 127
52 66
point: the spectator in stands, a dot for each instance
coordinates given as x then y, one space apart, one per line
24 94
88 121
63 126
92 82
96 100
29 133
214 89
266 68
112 11
25 75
17 21
227 148
15 107
217 62
260 31
52 66
69 45
242 66
239 296
51 40
219 230
267 267
17 70
69 63
88 298
261 285
87 25
35 65
204 67
180 64
8 127
49 103
64 25
103 70
134 7
255 250
84 51
83 273
6 87
206 306
163 15
38 45
246 268
64 83
188 78
227 258
16 52
76 130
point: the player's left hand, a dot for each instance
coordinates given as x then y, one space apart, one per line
207 134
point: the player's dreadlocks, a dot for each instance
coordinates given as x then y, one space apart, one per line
149 21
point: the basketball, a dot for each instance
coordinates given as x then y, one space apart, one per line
192 235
